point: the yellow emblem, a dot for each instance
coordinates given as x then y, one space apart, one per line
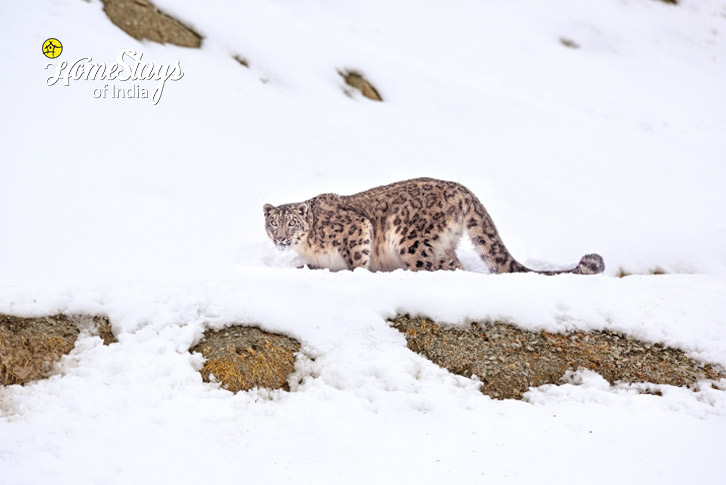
52 48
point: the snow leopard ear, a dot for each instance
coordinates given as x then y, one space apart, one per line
267 209
302 209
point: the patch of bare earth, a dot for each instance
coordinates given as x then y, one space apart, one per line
142 20
657 271
509 360
242 358
29 347
357 81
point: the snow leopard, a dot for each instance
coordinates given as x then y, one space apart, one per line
414 225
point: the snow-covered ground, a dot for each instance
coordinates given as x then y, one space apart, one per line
152 214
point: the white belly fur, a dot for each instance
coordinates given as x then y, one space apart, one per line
387 258
331 260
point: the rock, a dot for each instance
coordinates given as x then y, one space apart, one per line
29 347
505 356
242 61
569 43
244 357
142 20
357 81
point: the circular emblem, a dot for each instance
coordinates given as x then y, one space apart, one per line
52 48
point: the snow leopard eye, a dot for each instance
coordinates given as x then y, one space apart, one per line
292 223
273 223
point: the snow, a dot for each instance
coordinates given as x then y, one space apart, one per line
152 215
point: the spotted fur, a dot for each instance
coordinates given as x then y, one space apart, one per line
415 224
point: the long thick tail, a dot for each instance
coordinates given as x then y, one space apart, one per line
492 251
589 264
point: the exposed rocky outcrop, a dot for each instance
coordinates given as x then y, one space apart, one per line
142 20
509 360
356 80
29 347
242 358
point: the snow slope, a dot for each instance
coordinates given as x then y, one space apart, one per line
152 214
